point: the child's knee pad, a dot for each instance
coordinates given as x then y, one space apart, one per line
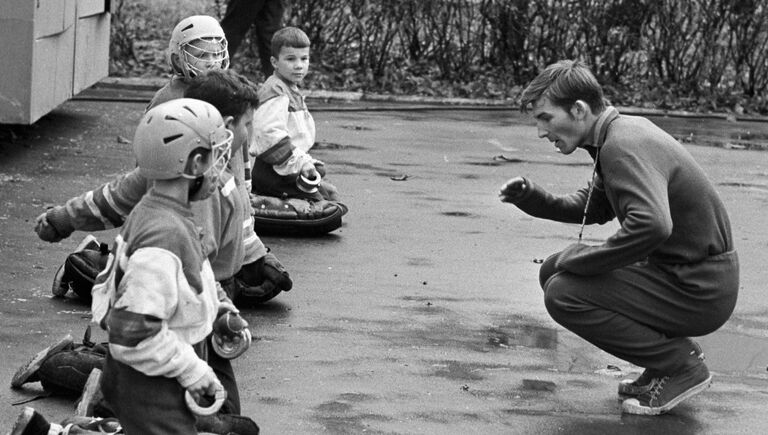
80 269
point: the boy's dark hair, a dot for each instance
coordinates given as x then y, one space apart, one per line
288 37
232 94
563 83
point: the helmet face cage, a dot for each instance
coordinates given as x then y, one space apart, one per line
203 54
221 152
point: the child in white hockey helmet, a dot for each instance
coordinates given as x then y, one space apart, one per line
158 298
197 44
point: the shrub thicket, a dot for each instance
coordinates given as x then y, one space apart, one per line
691 54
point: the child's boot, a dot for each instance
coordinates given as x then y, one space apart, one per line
226 424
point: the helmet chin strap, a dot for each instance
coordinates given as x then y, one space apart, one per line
194 189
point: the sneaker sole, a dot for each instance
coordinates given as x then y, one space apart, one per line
22 421
91 393
87 240
30 368
632 406
59 289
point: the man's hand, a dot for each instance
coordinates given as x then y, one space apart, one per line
513 189
45 230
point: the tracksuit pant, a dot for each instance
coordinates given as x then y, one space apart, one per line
645 312
149 405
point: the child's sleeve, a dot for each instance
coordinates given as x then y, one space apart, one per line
102 208
138 321
272 141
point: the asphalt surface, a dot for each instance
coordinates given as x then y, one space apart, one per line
423 313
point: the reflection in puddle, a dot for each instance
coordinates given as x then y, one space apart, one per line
742 135
459 214
523 335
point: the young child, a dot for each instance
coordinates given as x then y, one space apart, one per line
158 297
284 130
197 44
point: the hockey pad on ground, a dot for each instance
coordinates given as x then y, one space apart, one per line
67 372
295 217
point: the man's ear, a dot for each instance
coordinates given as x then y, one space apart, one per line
580 109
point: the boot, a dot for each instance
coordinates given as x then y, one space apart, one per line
225 424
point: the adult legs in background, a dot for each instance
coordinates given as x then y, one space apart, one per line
266 15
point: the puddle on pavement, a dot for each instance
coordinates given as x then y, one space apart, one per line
459 214
740 135
335 146
496 161
533 336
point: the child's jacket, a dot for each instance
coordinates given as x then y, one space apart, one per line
284 130
158 297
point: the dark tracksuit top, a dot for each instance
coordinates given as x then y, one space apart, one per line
669 211
669 272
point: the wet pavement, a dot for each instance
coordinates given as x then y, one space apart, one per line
423 313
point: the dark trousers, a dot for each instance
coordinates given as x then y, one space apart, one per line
146 405
266 18
155 404
266 181
223 369
644 313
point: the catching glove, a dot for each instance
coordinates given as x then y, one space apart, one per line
261 281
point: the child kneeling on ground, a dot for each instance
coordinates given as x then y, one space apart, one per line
158 297
284 175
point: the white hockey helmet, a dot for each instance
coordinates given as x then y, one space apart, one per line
199 44
169 132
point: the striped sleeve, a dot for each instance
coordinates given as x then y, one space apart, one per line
102 208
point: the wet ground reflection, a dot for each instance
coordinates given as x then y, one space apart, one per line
526 335
740 135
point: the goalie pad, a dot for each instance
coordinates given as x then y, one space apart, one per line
80 269
294 216
64 367
67 372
